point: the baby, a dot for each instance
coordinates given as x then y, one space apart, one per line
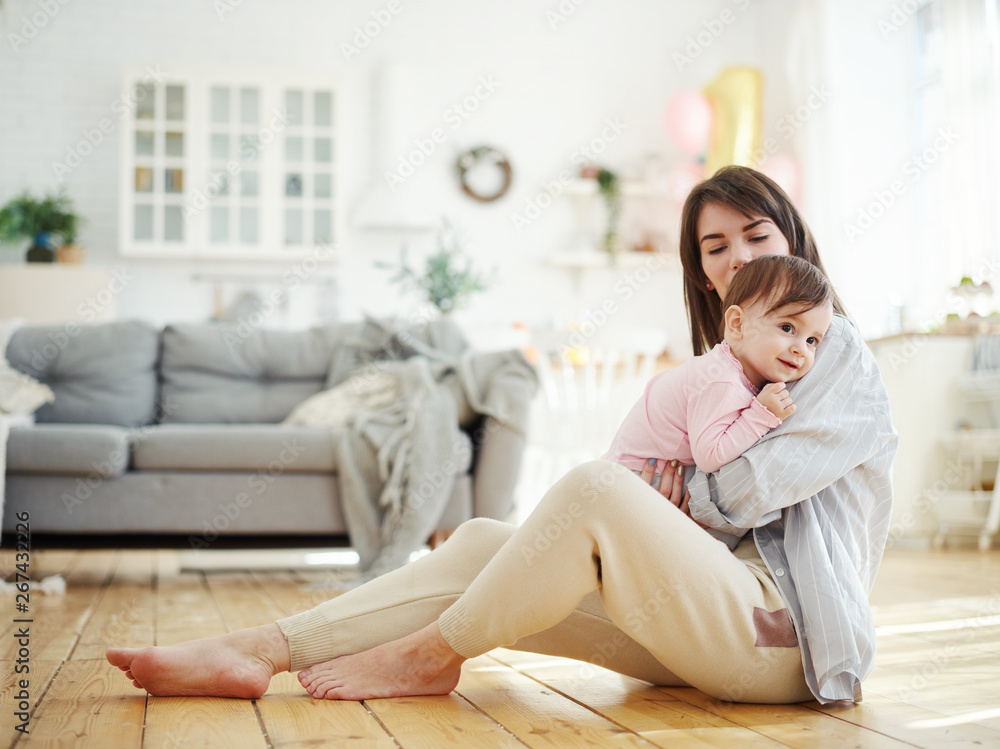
713 407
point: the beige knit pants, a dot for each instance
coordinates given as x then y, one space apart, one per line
605 570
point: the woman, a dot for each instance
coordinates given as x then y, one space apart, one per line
606 571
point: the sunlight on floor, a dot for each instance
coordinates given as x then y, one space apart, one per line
346 557
939 626
955 720
271 559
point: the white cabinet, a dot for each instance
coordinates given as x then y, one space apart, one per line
971 501
219 164
52 293
943 476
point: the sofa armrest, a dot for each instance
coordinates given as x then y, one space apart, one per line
499 451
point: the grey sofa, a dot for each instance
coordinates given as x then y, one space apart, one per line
176 432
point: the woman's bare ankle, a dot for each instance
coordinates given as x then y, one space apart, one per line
441 649
273 646
421 663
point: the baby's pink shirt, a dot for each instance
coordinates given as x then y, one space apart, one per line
704 412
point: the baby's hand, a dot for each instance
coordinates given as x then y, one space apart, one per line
775 396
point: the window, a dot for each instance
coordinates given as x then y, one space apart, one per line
956 76
218 166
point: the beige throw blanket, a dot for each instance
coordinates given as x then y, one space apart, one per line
396 399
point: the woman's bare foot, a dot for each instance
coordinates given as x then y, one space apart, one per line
239 664
418 664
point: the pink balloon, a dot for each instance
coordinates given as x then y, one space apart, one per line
784 169
689 120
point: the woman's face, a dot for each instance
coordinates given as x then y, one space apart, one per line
728 240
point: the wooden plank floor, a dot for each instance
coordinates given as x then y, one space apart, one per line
936 682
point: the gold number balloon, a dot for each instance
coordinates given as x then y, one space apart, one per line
737 98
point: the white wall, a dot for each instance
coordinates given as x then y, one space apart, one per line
558 84
557 88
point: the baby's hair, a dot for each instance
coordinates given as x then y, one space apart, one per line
779 281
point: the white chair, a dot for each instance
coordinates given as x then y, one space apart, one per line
588 383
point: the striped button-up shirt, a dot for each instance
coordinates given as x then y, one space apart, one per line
817 493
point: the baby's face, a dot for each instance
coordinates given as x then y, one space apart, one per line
781 346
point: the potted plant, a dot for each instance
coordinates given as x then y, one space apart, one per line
610 189
49 222
447 280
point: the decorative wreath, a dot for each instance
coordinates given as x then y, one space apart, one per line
472 158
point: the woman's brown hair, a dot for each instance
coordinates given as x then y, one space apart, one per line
751 193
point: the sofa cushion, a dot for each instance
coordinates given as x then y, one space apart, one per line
205 505
266 448
221 373
100 374
69 449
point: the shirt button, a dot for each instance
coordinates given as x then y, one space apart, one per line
779 572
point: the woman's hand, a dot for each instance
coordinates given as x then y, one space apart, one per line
671 481
671 485
686 509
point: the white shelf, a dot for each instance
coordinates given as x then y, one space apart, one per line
596 259
54 293
983 442
630 188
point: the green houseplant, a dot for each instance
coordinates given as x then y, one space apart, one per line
610 189
447 279
41 220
